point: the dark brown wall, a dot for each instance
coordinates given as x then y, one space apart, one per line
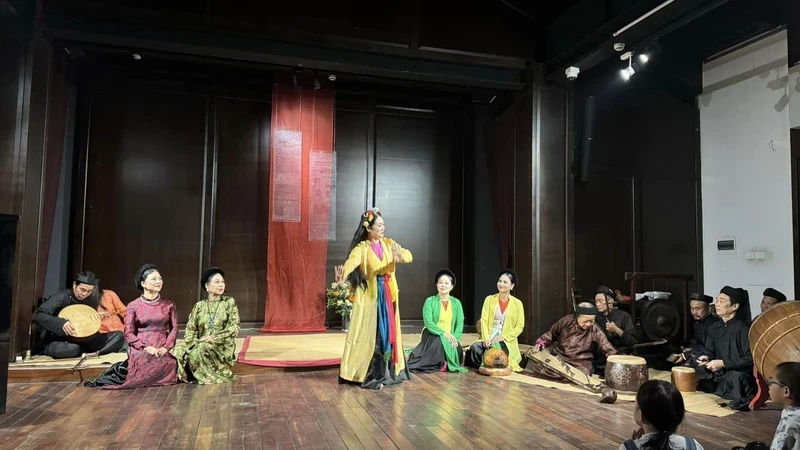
410 166
176 174
174 177
541 257
639 209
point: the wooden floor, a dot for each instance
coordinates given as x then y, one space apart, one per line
310 410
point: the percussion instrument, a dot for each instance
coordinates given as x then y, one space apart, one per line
495 363
573 374
685 379
626 373
660 318
775 337
84 318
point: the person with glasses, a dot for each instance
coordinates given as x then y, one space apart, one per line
439 350
784 390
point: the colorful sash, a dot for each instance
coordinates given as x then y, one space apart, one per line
386 323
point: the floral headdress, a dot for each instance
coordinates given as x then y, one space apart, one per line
369 216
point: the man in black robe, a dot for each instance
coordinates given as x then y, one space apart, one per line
57 336
771 297
726 366
616 324
700 307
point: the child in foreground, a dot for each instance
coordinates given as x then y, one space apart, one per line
659 411
784 390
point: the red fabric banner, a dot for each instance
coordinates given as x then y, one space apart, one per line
301 171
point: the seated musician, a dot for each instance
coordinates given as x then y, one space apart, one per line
57 336
502 321
700 307
616 324
726 365
574 338
771 298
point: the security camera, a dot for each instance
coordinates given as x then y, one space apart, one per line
572 73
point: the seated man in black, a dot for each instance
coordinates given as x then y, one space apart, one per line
726 366
700 307
56 336
616 324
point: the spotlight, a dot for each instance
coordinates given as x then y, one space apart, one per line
643 58
136 56
332 77
628 72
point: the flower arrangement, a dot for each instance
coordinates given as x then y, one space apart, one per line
339 298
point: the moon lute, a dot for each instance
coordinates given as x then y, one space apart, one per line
84 318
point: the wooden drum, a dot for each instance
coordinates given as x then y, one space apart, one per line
775 337
685 379
626 373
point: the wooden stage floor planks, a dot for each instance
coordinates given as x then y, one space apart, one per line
310 410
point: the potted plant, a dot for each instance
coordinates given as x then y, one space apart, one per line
339 298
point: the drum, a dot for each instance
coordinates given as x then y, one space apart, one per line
775 337
625 372
685 379
495 363
84 318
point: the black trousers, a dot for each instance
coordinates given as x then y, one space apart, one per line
101 343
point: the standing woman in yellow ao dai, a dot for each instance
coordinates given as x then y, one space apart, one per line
502 321
373 349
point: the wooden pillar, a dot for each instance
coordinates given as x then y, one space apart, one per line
541 257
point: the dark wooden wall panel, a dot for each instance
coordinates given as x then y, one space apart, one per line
412 188
604 237
240 202
551 298
353 154
144 190
12 47
639 209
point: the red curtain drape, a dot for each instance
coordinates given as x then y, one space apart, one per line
301 171
499 137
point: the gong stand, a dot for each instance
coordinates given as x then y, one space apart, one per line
683 314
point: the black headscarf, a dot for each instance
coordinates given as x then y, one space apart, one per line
142 273
511 274
774 293
445 272
210 272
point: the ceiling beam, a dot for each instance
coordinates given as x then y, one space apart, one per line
7 9
305 56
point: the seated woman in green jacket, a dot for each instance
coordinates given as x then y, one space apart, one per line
440 350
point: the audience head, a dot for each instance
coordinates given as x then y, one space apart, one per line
700 306
585 314
785 387
213 281
771 298
83 285
659 405
445 281
603 299
506 281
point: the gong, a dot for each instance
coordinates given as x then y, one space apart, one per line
660 319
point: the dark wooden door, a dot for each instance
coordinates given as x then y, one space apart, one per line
144 190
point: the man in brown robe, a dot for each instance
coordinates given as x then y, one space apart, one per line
574 338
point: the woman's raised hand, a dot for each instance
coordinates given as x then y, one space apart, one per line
339 274
397 251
